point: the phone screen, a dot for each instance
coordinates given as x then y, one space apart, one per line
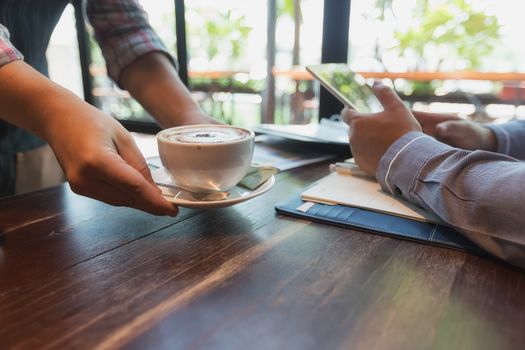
350 88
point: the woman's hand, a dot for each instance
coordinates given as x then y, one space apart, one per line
101 161
98 156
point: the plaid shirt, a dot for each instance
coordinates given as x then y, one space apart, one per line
8 52
121 27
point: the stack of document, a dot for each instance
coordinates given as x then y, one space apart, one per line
366 193
357 201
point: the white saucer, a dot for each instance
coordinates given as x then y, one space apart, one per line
187 199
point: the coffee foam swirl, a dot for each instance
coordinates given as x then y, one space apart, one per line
211 135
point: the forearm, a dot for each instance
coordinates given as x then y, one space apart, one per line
478 193
138 61
154 82
33 102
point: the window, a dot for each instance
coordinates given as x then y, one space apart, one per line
227 58
228 52
106 95
246 60
459 54
62 54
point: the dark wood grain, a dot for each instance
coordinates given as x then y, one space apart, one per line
76 273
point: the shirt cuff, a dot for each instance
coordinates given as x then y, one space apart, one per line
511 138
122 51
8 53
401 164
502 137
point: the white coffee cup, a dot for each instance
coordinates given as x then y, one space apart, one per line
206 158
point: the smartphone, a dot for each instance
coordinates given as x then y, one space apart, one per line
348 87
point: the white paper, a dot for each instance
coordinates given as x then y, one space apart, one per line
363 192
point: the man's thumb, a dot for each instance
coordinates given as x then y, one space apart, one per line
387 97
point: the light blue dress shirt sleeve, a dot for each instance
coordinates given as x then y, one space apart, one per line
481 194
511 138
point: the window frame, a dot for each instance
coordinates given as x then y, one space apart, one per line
336 22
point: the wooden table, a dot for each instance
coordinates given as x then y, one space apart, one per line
76 273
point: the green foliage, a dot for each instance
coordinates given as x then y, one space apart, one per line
382 6
228 85
225 34
454 28
285 8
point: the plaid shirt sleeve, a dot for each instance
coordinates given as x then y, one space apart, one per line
123 32
8 53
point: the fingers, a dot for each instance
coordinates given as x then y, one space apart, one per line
467 135
349 114
130 153
110 179
444 129
424 117
453 129
110 194
139 192
387 97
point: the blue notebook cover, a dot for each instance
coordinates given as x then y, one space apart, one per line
381 223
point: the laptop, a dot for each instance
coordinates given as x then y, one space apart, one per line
331 131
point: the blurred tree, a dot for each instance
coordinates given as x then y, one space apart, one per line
219 37
226 34
448 30
292 8
443 34
382 7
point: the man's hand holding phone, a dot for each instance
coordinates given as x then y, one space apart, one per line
376 115
371 134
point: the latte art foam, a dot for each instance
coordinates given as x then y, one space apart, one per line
211 135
